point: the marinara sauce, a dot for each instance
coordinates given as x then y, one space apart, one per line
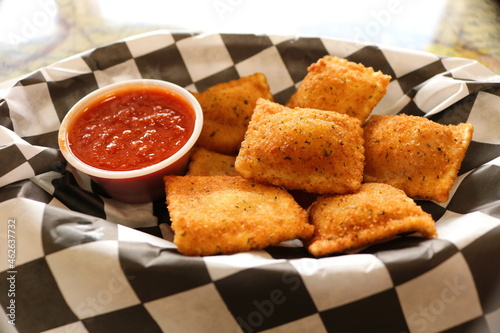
131 128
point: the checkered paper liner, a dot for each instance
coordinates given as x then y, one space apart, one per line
86 263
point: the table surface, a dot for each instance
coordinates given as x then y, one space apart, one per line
36 33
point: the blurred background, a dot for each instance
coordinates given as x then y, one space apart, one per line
35 33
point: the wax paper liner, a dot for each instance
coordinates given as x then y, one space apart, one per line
83 262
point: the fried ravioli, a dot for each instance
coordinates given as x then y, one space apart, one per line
415 154
302 149
227 109
374 213
209 163
224 214
337 84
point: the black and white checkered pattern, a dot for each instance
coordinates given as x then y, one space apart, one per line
86 263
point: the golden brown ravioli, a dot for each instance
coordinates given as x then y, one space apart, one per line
374 213
209 163
225 214
415 154
337 84
227 109
302 149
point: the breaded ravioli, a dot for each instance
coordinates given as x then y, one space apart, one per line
374 213
340 85
227 109
302 149
224 214
205 162
415 154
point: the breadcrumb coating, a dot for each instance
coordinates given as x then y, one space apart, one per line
336 84
225 214
302 149
415 154
227 109
204 162
374 213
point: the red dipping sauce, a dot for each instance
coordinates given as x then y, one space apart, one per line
131 128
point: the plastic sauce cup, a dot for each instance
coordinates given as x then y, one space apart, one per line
139 185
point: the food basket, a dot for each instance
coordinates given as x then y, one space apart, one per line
74 260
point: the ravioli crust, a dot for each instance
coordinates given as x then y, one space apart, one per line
374 213
205 162
302 149
336 84
227 109
224 214
415 154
